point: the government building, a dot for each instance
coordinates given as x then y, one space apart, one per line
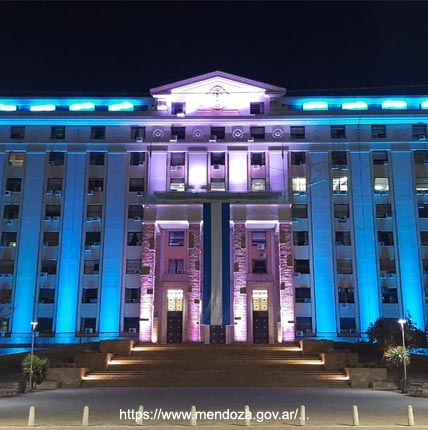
218 210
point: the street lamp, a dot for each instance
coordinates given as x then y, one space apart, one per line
402 321
33 330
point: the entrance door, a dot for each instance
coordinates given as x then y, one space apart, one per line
217 334
174 324
260 316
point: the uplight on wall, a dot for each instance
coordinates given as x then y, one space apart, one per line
354 106
43 108
394 104
121 106
82 106
315 105
7 108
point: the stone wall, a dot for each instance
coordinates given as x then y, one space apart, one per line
361 377
338 360
67 377
240 282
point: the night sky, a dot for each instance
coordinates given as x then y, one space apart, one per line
128 48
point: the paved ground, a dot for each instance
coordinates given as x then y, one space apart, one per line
326 408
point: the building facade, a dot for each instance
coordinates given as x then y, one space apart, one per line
219 210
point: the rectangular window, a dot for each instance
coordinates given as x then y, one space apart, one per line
175 267
5 297
300 238
424 238
94 211
381 185
135 238
47 295
297 131
421 184
341 211
348 325
178 108
176 238
302 295
218 158
177 184
179 132
135 212
258 184
58 132
91 267
259 267
303 325
44 325
340 184
96 158
338 131
380 157
344 266
258 239
298 158
8 238
93 238
339 158
138 134
98 133
137 158
54 184
257 132
132 295
301 266
96 185
14 185
378 131
90 295
131 325
56 158
383 211
16 159
389 295
50 238
420 157
299 185
48 267
17 132
299 211
133 267
7 267
385 238
257 108
419 131
88 325
423 211
343 238
178 159
11 212
218 132
136 185
53 211
258 159
346 295
387 266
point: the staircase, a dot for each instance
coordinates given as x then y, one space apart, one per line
215 366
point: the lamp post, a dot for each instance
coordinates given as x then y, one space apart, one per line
33 329
402 321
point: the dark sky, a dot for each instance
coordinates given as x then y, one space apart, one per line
121 47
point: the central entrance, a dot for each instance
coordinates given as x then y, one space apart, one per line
260 316
174 323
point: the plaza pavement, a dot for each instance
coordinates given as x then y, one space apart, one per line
326 408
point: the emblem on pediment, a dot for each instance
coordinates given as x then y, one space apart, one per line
218 97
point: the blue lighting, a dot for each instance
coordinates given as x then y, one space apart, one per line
316 105
355 106
121 106
82 106
42 108
7 108
394 104
424 104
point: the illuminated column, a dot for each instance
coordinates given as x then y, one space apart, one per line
408 260
194 294
239 283
147 282
27 269
113 245
286 277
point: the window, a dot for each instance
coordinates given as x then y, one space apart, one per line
132 295
88 325
93 238
424 238
48 267
218 158
257 132
7 267
16 159
133 266
338 158
389 295
380 157
176 238
421 184
258 239
299 211
178 107
91 267
54 184
302 295
96 158
338 131
136 185
176 267
96 185
47 295
303 325
5 296
135 212
387 266
340 184
56 158
177 184
138 134
11 212
346 295
301 266
17 132
419 131
135 238
51 238
425 266
378 131
383 211
53 211
259 267
344 266
297 131
14 185
218 132
299 185
348 325
385 238
420 157
44 325
381 185
8 238
341 211
180 132
130 324
257 108
298 158
4 324
178 159
58 132
137 158
300 238
98 133
343 238
94 211
89 295
258 159
258 184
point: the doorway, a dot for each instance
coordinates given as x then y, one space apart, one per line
260 316
174 329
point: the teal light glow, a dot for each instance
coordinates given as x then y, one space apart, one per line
315 105
355 106
7 108
394 104
424 104
121 106
42 108
82 106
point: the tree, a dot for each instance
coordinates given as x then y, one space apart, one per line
40 369
397 356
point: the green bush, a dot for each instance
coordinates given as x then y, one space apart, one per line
40 369
397 356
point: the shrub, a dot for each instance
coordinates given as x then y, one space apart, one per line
397 356
40 368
